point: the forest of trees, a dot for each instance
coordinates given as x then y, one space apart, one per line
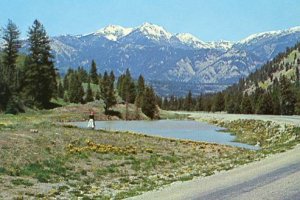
33 81
282 97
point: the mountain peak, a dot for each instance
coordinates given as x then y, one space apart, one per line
113 32
154 31
192 41
269 34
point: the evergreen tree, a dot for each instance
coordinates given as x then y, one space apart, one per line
188 104
107 91
149 103
140 91
230 107
287 97
40 81
89 94
10 53
140 94
126 87
60 90
246 107
5 94
98 95
76 92
83 75
219 103
265 105
93 73
66 79
199 105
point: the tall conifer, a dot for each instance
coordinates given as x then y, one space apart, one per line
40 73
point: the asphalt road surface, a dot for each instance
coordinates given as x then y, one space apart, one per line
274 178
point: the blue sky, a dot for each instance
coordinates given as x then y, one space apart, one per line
207 19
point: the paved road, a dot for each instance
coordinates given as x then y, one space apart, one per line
294 120
274 178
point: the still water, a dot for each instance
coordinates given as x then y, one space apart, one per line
178 129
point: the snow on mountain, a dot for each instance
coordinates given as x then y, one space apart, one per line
269 34
192 41
153 31
113 32
222 44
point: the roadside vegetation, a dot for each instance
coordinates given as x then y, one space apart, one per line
42 157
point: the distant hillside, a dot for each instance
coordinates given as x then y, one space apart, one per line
176 61
272 89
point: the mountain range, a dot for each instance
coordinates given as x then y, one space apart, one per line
172 63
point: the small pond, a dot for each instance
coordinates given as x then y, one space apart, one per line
178 129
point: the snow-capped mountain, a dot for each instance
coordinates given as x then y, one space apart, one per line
113 32
192 41
171 61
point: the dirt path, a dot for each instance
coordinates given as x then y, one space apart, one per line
276 177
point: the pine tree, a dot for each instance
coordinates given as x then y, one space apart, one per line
188 104
10 53
76 92
40 82
98 95
66 79
83 75
126 87
4 93
219 103
140 91
199 105
265 105
140 94
60 90
93 73
89 94
149 103
107 91
287 97
246 106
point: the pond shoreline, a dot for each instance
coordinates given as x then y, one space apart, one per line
179 129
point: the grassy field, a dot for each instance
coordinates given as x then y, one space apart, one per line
41 157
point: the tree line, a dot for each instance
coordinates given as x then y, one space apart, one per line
107 88
32 80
